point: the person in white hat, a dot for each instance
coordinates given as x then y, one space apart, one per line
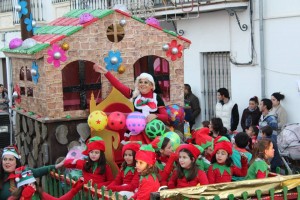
144 98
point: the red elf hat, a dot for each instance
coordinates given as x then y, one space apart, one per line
134 146
146 154
94 143
203 140
222 142
191 148
204 131
157 142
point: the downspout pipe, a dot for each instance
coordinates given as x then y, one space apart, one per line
262 49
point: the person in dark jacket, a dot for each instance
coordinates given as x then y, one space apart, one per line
191 105
251 114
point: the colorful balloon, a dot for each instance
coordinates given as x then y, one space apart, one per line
116 121
97 120
155 128
175 114
136 123
175 139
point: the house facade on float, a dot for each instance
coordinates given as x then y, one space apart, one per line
55 80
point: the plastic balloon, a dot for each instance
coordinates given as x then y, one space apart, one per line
116 121
135 123
155 128
175 114
175 139
97 120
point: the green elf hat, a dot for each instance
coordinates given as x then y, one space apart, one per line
11 150
146 154
24 178
204 140
222 142
157 142
94 143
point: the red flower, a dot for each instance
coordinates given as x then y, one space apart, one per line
174 51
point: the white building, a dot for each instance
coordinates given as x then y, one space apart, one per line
263 54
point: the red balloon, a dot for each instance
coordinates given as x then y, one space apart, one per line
116 121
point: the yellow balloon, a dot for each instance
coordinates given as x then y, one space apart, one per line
97 120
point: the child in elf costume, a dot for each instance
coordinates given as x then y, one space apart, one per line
221 169
27 189
127 180
165 158
95 167
187 174
145 166
201 161
259 168
11 161
241 141
206 142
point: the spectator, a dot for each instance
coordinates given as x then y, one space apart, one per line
251 114
191 105
278 110
227 110
267 118
267 133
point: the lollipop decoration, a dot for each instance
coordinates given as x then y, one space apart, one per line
97 120
113 61
174 51
135 123
56 55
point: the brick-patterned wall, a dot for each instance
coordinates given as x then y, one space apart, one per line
92 44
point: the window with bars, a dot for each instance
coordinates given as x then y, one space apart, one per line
216 74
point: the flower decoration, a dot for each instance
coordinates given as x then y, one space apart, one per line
56 55
36 76
174 51
17 90
23 10
28 21
113 61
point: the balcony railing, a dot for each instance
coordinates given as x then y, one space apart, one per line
6 6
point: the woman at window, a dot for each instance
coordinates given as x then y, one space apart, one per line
144 99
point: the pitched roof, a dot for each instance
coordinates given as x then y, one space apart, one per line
69 24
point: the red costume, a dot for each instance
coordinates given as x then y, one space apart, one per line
221 173
150 102
148 183
127 179
175 182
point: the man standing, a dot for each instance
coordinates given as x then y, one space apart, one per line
227 110
266 117
191 105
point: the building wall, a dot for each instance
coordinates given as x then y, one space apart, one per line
217 31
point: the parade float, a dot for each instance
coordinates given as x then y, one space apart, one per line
56 88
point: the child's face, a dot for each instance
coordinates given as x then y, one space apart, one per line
269 153
249 131
221 156
184 160
141 166
94 155
128 157
209 150
167 151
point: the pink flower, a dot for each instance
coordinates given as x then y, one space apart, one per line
56 55
174 51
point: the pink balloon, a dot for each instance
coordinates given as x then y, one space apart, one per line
116 121
15 43
136 122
